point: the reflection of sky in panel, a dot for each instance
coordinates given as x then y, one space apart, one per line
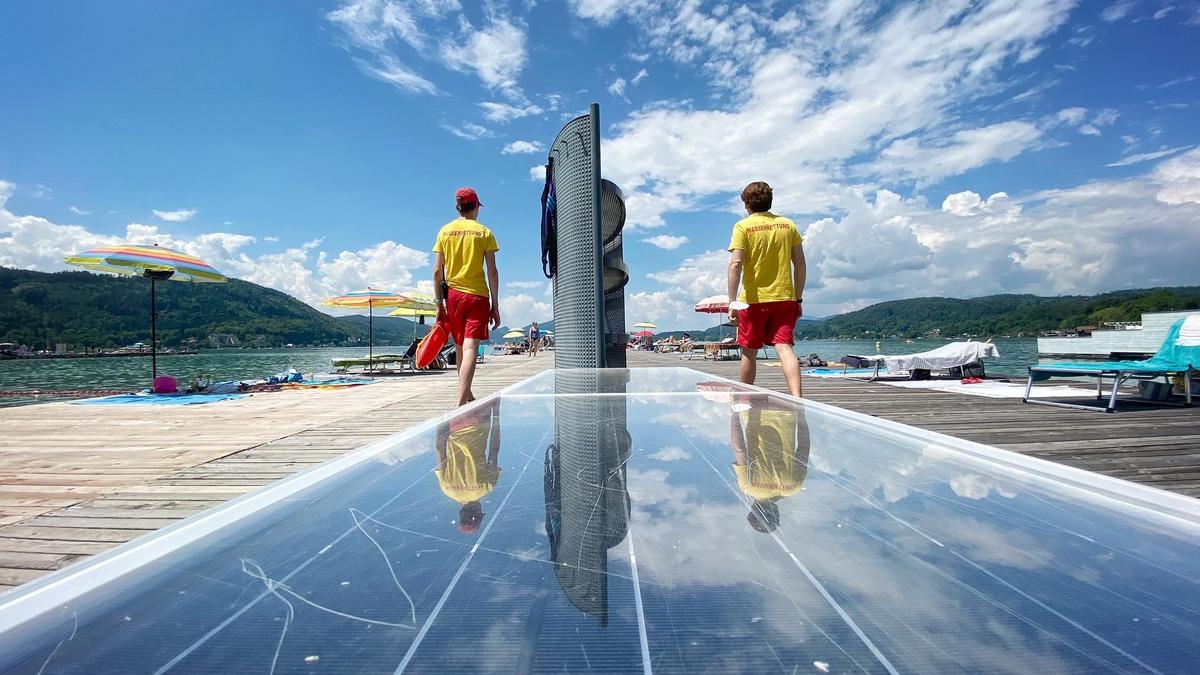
906 554
943 564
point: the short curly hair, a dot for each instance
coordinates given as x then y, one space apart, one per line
757 196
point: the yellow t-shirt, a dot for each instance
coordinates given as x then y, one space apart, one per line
767 240
463 243
775 466
466 476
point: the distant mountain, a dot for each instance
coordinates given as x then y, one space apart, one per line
390 330
83 309
1000 314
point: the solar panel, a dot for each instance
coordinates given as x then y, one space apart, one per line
652 520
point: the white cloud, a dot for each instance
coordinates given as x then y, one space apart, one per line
825 99
78 211
1162 13
601 11
1147 156
469 131
519 309
525 285
1180 181
1117 11
538 173
177 216
666 241
523 147
40 191
388 68
270 240
306 272
617 88
1180 80
378 27
641 75
504 112
1072 116
965 150
670 453
495 53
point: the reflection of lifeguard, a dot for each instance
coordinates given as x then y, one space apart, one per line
468 450
770 447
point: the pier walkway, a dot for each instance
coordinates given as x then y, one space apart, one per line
75 480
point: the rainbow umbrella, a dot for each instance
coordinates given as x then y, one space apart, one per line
156 263
368 298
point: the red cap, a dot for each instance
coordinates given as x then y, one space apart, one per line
467 196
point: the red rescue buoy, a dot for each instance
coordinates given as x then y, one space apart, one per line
431 344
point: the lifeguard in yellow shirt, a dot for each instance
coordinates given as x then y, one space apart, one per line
468 452
770 448
466 300
767 261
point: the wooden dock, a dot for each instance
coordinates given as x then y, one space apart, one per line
76 480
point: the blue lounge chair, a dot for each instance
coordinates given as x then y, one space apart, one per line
1178 355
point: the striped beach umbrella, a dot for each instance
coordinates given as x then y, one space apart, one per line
367 298
156 263
417 304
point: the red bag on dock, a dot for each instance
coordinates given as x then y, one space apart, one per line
431 344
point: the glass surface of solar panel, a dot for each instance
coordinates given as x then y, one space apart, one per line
653 520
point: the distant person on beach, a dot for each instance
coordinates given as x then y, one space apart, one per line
465 299
535 339
468 456
770 458
768 263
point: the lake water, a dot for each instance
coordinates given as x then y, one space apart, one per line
1016 354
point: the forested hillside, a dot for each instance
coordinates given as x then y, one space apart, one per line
1001 314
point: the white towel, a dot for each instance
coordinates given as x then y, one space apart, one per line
1189 332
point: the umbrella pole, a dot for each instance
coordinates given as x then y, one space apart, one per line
370 337
153 334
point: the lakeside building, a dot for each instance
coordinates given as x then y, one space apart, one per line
1117 340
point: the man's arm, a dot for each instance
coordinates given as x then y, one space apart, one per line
799 273
439 267
736 440
734 276
493 286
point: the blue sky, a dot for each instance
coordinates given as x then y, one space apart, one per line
932 148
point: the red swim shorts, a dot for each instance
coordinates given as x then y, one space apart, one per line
469 315
769 323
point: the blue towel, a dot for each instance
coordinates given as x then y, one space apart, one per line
158 399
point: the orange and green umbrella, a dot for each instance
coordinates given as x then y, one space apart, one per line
367 298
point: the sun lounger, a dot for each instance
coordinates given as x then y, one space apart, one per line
1179 355
960 359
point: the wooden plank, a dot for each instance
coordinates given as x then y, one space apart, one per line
13 575
89 534
36 560
12 545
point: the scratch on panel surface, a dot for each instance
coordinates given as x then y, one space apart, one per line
358 517
54 651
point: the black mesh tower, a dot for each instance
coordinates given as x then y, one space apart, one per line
578 299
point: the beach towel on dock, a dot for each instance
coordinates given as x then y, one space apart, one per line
159 399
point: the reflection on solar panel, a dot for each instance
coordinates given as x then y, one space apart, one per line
653 520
